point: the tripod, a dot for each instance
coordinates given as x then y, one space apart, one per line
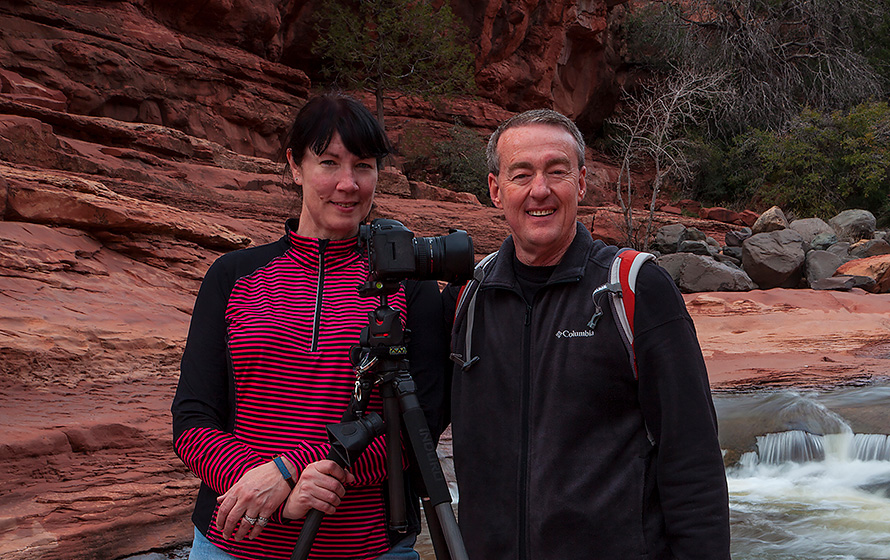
380 360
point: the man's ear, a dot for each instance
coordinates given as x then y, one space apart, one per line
295 170
494 190
582 182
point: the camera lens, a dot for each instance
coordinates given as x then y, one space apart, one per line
447 257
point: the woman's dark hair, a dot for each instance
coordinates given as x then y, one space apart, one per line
323 115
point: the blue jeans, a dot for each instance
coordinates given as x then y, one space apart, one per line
403 550
203 549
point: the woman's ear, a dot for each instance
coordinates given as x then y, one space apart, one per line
295 170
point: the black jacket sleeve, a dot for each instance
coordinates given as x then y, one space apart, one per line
676 402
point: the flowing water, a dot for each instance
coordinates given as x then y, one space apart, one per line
814 485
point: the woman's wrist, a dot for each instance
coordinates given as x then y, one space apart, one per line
282 463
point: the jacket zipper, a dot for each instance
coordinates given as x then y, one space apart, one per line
525 406
319 294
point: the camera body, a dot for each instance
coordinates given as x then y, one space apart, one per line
394 254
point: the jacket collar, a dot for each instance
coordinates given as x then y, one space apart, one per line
569 269
310 249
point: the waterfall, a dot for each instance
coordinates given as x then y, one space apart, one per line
811 487
871 447
798 446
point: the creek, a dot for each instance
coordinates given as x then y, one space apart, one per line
812 476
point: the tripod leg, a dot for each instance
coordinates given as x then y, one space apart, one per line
424 449
437 536
394 474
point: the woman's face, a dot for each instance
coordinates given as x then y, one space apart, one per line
338 188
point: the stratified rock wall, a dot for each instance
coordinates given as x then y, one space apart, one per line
554 54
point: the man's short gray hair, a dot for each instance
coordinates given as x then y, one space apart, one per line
535 116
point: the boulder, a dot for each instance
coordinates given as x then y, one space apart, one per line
823 241
842 283
821 264
734 253
841 249
425 191
810 228
774 259
729 259
668 238
853 225
869 248
771 220
391 181
736 237
693 234
695 247
877 268
720 214
749 217
697 273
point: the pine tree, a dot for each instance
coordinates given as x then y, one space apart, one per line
394 46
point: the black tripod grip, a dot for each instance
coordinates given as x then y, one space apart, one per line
348 441
313 521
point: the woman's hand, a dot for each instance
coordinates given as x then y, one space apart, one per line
321 486
257 495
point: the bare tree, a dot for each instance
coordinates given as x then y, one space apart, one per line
782 55
652 127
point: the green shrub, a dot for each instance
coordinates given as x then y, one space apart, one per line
457 163
461 160
818 165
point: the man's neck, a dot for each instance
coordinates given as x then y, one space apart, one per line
542 258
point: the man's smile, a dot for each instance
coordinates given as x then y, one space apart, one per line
539 213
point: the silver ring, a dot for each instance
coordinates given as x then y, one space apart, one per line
262 521
249 519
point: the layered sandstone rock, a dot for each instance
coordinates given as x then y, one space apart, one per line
535 53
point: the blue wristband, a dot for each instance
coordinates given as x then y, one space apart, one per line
288 477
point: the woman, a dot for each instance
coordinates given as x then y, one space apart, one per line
266 364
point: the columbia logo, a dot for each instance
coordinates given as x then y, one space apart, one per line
573 334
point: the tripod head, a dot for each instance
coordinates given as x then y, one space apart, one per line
380 355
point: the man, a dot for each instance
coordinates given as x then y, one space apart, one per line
560 451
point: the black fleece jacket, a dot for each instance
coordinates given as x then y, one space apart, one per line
550 426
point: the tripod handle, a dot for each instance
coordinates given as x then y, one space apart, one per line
313 520
348 441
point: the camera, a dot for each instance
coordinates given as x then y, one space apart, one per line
395 254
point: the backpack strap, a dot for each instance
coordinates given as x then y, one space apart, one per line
466 309
623 273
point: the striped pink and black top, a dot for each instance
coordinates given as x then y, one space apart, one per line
289 327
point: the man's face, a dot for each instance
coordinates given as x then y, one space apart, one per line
539 186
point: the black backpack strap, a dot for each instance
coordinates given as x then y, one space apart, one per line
465 310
